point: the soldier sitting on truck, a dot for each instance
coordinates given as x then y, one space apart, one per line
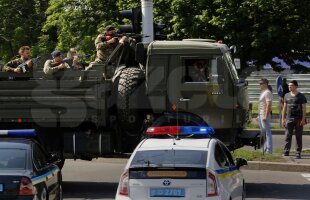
73 60
56 64
20 65
198 71
105 44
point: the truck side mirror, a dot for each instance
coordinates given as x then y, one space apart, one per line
139 54
237 63
233 49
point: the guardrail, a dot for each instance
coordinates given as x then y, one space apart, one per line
254 90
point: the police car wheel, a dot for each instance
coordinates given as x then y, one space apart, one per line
44 195
243 192
60 197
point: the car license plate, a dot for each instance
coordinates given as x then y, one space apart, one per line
166 173
167 192
1 187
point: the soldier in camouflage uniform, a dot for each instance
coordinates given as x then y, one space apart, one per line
105 44
56 64
20 65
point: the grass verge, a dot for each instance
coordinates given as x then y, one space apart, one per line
275 109
257 155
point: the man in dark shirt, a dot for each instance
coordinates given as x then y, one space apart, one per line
294 109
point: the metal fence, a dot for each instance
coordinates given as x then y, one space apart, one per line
254 89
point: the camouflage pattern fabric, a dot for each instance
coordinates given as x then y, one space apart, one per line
13 64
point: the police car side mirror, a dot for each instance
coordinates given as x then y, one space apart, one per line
53 157
241 162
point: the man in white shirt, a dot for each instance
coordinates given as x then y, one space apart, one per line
264 109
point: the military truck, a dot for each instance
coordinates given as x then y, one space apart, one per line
107 110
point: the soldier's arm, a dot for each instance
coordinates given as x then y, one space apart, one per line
48 69
10 66
99 43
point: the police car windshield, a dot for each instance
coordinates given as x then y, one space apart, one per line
12 159
169 158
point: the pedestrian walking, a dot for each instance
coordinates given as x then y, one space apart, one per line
294 117
264 114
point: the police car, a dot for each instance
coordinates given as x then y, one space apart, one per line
182 162
26 170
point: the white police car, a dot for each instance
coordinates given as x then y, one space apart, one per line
183 167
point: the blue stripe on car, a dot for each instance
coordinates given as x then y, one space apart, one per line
43 177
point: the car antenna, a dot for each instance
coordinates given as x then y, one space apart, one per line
177 138
179 100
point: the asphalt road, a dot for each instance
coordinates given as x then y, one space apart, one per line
271 185
98 180
91 180
278 141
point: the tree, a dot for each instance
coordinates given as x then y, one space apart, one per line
76 23
265 29
21 24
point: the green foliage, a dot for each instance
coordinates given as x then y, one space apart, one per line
264 29
76 23
191 19
260 29
21 24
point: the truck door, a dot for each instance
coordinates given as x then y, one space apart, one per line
201 85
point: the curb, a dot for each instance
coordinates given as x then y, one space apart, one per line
273 166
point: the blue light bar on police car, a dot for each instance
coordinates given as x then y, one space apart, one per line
180 130
19 133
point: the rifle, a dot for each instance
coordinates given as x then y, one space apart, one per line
83 56
137 37
24 66
53 64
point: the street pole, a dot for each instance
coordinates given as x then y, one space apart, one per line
147 21
279 83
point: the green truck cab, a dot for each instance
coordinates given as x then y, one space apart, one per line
219 96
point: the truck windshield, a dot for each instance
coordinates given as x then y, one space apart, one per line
170 158
12 159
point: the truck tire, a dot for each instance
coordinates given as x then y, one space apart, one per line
130 106
130 100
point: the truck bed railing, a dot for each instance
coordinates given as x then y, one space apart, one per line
59 75
62 99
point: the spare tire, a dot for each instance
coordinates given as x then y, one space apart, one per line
131 101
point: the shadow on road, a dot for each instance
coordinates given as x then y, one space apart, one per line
277 191
89 190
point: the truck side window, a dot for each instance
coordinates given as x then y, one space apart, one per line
197 70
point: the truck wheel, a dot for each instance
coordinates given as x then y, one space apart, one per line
130 99
130 104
